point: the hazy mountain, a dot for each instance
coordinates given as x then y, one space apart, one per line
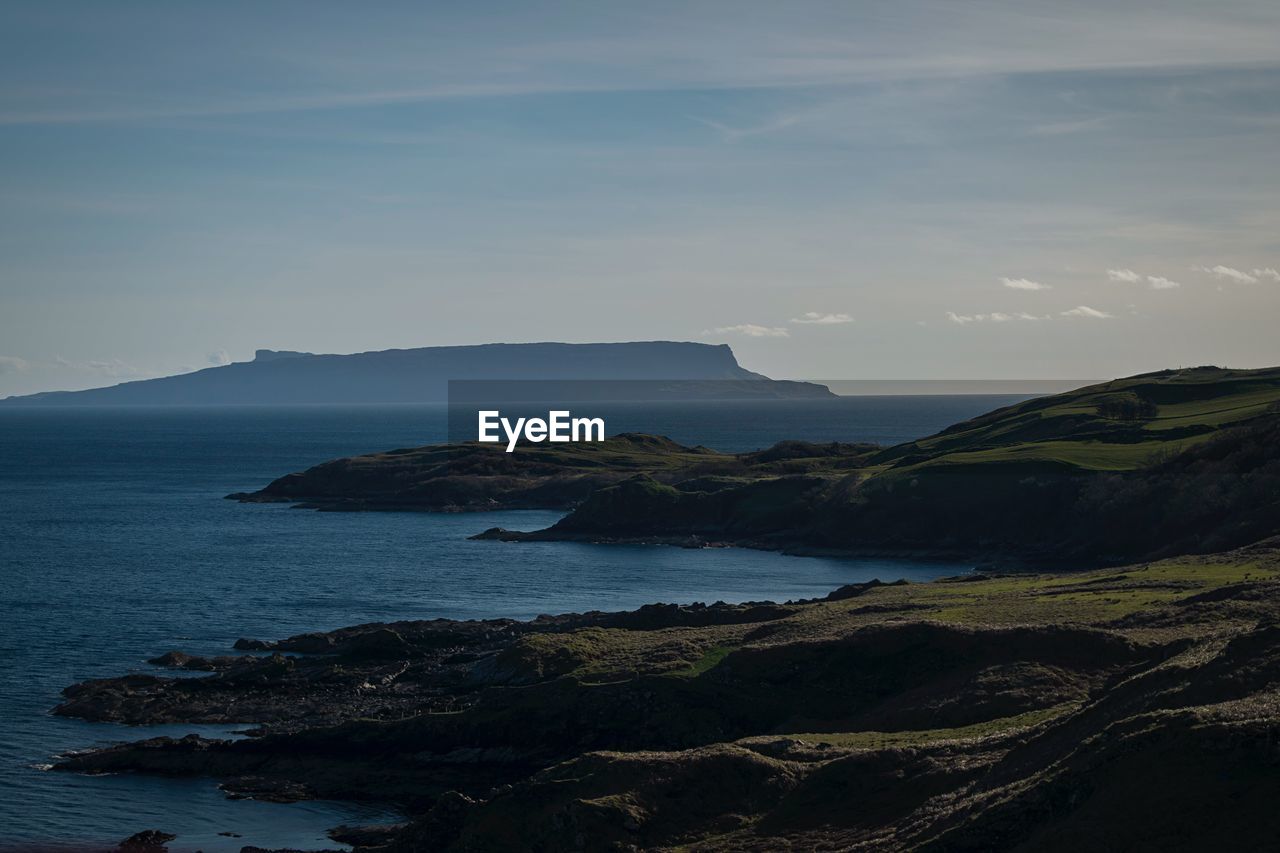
422 375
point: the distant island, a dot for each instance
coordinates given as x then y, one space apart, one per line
658 369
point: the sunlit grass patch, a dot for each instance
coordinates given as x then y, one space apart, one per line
889 740
1094 597
709 659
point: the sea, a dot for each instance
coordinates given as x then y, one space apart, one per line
116 545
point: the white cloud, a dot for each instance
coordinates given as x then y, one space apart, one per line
751 330
219 358
992 317
1127 276
1086 311
815 318
1229 274
1023 284
1268 272
733 134
1155 282
1060 128
12 364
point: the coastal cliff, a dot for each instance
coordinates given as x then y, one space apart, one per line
1138 468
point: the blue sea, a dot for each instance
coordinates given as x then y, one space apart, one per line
116 545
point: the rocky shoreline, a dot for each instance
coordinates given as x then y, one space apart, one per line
1010 703
994 559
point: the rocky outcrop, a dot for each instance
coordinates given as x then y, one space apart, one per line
147 841
1002 712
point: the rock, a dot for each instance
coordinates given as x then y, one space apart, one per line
383 643
266 790
182 660
147 841
173 659
852 590
365 836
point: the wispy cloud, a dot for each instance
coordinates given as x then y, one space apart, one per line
1229 274
13 364
1023 284
818 319
695 48
1267 272
1159 282
219 358
1127 276
751 330
1061 128
992 317
114 368
250 106
733 134
1086 311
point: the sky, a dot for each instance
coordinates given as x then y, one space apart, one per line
856 190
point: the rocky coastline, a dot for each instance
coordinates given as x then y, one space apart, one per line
1012 702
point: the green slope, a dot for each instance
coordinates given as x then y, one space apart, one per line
1149 466
1119 425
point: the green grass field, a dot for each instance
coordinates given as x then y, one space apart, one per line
1170 412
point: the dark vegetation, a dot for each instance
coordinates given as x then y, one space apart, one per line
1059 479
1217 494
1116 709
1154 465
537 476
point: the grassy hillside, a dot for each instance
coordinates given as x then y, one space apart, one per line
1184 461
553 476
1124 709
1119 425
1149 466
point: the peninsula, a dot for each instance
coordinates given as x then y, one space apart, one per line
1138 468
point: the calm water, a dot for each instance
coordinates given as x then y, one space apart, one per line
116 545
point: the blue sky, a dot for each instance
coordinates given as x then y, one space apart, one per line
844 190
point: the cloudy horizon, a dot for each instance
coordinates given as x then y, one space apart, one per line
866 190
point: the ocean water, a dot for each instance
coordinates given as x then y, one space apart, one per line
116 545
